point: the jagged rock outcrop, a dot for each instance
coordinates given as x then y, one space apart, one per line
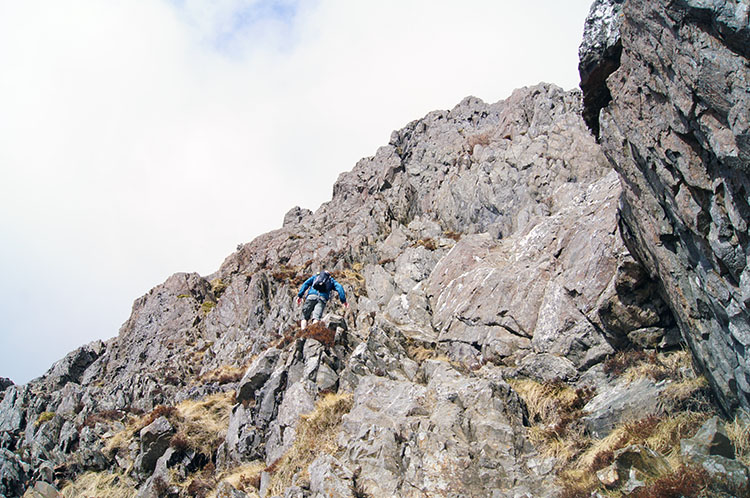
599 56
480 246
677 129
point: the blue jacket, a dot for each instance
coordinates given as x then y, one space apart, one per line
325 295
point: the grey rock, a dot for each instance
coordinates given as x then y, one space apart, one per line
226 490
155 439
89 454
258 373
330 479
401 435
297 401
295 492
711 439
42 490
13 474
72 367
380 284
621 402
631 467
382 354
648 338
677 131
599 56
712 449
45 438
727 470
243 439
44 473
410 312
12 412
512 294
295 216
70 399
545 367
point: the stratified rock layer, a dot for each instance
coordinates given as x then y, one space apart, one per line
678 132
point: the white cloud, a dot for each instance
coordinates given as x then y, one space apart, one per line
142 138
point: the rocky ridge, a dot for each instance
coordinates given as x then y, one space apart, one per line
498 297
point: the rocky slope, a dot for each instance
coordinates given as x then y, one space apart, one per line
493 300
677 129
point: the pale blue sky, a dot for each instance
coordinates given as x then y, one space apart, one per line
142 138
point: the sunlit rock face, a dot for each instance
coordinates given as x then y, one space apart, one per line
677 130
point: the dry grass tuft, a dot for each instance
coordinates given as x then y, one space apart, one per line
101 485
658 366
577 484
320 333
207 307
104 416
420 353
43 418
200 425
204 422
739 433
224 374
243 478
555 412
199 487
352 277
661 434
625 360
686 408
218 286
316 435
547 401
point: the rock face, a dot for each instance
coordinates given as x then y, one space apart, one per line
486 236
481 247
677 130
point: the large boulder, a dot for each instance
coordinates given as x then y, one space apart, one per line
712 449
72 367
13 474
678 131
545 290
155 439
452 435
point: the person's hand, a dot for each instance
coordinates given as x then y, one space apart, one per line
299 300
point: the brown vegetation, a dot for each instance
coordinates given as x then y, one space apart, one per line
351 277
224 375
104 416
479 139
429 243
685 481
316 435
317 331
295 275
554 409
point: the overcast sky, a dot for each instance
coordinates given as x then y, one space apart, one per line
141 138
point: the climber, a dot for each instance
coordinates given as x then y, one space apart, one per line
320 287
